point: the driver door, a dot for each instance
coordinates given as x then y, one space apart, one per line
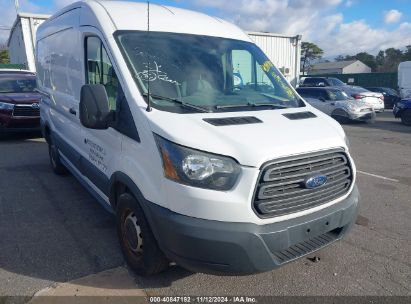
100 148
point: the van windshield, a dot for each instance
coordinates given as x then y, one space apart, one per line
215 74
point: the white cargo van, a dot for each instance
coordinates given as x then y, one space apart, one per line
189 134
404 79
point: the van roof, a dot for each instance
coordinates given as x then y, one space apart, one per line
127 15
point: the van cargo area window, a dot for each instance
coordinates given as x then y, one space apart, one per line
216 74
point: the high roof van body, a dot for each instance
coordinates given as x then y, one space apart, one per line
404 79
182 127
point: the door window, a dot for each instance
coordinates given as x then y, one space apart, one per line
248 73
315 93
100 70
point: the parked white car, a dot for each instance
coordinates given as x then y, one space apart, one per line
374 99
336 103
217 175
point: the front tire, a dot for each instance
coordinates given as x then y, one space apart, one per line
56 164
137 241
406 117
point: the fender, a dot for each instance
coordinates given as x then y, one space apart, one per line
135 191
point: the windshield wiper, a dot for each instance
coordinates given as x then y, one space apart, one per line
272 105
178 101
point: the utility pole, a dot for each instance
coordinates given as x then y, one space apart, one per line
16 5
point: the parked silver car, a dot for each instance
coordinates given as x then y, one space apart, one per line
374 99
336 103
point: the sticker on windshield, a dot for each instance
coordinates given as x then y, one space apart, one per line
154 73
266 66
287 89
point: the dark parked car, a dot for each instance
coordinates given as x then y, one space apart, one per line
402 109
391 96
19 103
321 82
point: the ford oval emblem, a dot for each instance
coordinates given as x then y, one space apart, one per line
315 181
35 106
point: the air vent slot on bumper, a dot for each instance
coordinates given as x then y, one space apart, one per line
281 186
298 250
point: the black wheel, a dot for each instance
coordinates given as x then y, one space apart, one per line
137 241
55 161
406 117
341 116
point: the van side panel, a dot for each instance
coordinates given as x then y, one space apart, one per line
60 74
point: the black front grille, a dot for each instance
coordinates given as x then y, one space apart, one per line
27 111
306 247
281 187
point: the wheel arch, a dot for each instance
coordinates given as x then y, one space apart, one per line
121 183
340 112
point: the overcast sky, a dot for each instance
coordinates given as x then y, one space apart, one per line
337 26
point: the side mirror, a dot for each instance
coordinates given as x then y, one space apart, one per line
94 110
322 99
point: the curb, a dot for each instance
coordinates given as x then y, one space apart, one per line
111 286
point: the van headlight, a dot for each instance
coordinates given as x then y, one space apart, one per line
6 106
196 168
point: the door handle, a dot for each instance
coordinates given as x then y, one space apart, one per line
333 104
72 111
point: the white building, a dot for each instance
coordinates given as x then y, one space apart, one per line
339 67
21 42
283 50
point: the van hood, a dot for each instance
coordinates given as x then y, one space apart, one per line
255 143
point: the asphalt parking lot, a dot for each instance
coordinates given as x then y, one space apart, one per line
52 230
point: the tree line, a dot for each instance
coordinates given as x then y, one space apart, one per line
384 61
4 54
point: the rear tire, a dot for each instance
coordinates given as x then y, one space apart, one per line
406 117
56 165
137 241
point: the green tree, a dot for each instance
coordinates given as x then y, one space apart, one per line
407 54
364 57
344 58
367 59
393 57
309 52
4 56
380 58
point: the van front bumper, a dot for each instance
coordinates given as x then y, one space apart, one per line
242 248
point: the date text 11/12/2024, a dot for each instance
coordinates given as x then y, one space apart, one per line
203 299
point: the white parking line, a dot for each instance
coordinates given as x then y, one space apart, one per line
378 176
